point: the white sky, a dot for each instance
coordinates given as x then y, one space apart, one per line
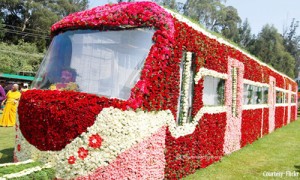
259 12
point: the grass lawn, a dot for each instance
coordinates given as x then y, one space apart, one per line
278 151
7 142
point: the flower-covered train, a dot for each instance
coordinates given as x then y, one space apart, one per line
132 90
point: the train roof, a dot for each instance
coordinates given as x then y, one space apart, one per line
157 16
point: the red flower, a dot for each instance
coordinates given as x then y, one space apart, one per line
95 141
82 153
71 160
19 147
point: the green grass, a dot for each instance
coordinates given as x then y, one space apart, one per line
278 151
45 174
7 141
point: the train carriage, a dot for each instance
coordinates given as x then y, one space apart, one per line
133 90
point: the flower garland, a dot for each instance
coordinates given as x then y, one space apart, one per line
207 72
17 163
184 92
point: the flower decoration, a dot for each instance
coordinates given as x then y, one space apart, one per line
95 141
82 153
71 160
19 147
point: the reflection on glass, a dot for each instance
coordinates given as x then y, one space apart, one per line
279 97
265 95
248 97
214 91
258 95
255 94
106 63
293 98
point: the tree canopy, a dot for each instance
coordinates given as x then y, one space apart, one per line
31 19
21 57
25 28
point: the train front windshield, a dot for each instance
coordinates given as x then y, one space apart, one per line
106 63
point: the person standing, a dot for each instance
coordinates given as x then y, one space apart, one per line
2 94
10 111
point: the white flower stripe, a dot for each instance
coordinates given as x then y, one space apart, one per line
283 104
17 163
259 84
281 89
256 106
26 172
208 72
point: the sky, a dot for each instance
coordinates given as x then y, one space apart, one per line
258 12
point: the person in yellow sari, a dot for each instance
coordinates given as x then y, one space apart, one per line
10 111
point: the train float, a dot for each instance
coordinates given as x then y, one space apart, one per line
136 91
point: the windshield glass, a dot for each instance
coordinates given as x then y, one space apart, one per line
106 63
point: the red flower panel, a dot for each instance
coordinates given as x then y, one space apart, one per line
251 126
197 150
279 117
293 113
266 121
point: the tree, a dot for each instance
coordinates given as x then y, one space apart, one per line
215 16
269 48
2 29
31 19
292 43
21 57
245 38
229 23
124 1
206 12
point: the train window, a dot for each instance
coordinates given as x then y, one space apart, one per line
265 93
280 97
187 75
286 98
214 91
255 94
293 98
258 95
248 94
105 63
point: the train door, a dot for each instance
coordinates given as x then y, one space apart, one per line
272 102
289 104
234 89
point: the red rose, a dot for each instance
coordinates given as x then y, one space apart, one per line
71 160
82 153
95 141
19 147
